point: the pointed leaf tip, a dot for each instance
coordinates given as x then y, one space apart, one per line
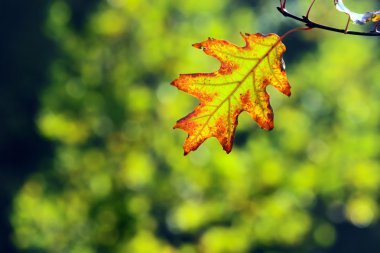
198 45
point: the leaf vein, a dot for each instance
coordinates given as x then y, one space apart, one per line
252 70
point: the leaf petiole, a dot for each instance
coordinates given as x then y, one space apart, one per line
308 11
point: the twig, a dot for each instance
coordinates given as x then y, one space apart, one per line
308 11
311 24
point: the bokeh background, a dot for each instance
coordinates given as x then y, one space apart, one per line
90 163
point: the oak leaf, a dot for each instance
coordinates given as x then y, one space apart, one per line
239 85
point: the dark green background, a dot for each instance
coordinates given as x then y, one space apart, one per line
87 110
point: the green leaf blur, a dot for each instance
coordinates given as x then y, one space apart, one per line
118 181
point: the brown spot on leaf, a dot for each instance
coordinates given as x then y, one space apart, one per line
234 91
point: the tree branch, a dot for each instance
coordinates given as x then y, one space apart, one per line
312 25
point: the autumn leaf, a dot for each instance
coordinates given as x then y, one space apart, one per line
239 85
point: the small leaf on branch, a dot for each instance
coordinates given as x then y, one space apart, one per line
239 85
358 18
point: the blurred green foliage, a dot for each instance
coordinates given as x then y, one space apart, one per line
118 181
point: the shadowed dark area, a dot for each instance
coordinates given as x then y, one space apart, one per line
26 53
25 56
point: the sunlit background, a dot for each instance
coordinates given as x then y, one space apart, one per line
90 163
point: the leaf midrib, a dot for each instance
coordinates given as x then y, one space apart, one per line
239 83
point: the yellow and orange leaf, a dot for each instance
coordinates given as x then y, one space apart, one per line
239 85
